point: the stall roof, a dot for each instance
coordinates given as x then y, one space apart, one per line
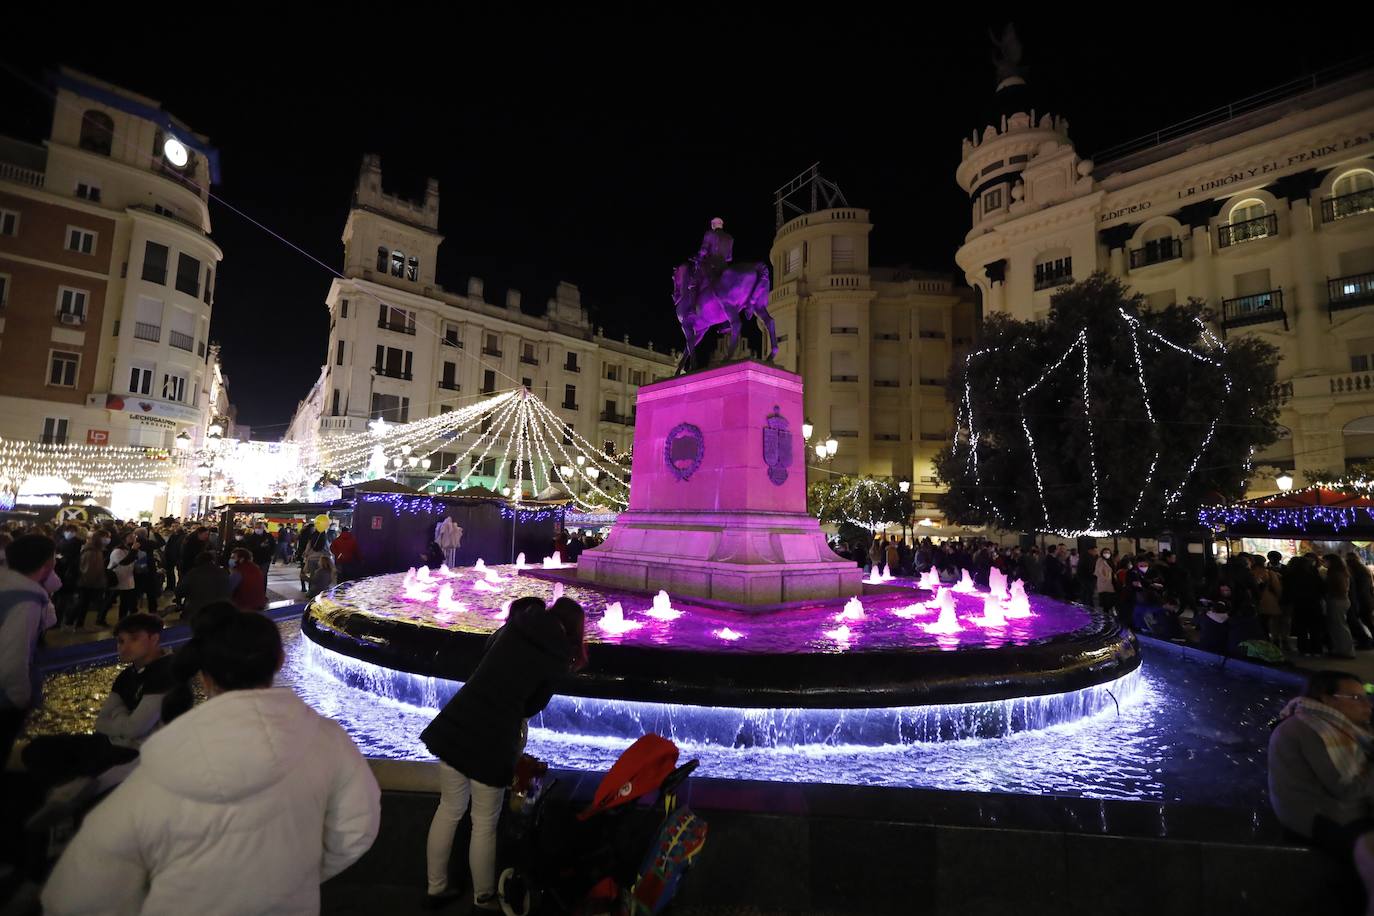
1312 512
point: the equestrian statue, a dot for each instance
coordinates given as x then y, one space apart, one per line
710 291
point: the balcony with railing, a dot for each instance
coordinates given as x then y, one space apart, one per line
571 367
1346 205
9 171
453 342
1349 292
566 406
1256 309
843 378
383 372
1261 227
844 330
1156 252
886 383
398 326
70 318
529 360
145 331
181 341
449 384
491 351
1047 276
610 416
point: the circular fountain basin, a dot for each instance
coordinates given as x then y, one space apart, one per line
883 667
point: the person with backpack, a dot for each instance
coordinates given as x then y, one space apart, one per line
479 734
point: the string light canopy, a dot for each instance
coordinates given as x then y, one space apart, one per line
527 441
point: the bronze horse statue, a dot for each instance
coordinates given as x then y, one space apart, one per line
740 292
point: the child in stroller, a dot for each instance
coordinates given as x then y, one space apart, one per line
615 857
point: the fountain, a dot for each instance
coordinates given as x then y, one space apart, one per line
765 623
853 610
613 620
1018 607
997 583
662 608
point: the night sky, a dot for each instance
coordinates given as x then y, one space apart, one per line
597 149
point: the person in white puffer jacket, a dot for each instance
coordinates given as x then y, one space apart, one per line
242 805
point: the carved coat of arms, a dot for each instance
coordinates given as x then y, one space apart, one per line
777 446
683 450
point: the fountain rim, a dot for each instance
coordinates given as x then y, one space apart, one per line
1098 653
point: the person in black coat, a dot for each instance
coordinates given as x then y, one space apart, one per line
479 734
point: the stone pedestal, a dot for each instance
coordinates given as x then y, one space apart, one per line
718 496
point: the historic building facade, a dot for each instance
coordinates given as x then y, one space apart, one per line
873 345
401 347
106 272
1264 209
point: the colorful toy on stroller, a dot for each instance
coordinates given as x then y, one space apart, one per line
616 857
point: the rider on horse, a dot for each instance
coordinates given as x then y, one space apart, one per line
717 250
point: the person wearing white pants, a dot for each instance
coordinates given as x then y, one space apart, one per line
455 790
479 734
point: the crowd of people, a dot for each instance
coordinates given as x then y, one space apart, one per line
209 773
216 774
1311 604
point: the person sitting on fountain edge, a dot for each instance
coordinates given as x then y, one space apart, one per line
130 713
1321 770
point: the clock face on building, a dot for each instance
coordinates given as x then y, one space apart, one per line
176 152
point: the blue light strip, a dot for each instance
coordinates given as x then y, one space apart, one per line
758 728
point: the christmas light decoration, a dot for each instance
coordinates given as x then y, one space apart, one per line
968 437
1328 507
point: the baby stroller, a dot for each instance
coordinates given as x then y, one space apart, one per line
614 858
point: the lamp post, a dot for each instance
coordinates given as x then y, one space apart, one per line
1285 482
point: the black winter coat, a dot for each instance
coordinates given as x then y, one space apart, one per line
479 731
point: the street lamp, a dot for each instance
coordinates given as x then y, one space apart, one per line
904 486
807 430
821 451
425 463
183 440
832 446
1285 482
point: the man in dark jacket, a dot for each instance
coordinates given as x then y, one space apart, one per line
261 545
206 583
479 734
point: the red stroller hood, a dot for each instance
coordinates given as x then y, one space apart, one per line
639 771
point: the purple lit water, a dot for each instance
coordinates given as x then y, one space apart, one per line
887 621
1187 732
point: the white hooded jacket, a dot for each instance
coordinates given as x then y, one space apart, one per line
241 806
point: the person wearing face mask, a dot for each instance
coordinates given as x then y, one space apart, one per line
262 545
248 580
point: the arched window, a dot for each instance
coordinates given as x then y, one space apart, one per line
398 264
1157 244
97 132
1053 268
1248 209
1353 183
1352 194
383 256
1249 219
413 269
